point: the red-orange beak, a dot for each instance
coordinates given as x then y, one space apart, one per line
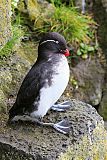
66 53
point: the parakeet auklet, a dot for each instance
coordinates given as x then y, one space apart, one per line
44 84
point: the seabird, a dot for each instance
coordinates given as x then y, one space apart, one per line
44 84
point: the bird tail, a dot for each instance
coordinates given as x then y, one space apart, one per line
12 113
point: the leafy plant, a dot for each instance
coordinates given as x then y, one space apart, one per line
17 34
56 2
78 29
74 82
74 26
85 49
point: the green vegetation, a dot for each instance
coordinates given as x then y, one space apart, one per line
17 32
58 3
67 21
86 48
78 29
7 49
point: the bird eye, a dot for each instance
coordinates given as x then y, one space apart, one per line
61 51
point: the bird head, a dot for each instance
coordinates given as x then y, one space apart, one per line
52 43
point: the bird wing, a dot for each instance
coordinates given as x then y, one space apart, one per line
29 90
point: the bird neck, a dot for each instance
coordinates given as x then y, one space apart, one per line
44 55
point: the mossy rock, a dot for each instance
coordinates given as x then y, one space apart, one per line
13 69
93 147
5 80
89 75
2 102
5 22
87 138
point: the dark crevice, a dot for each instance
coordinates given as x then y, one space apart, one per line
96 107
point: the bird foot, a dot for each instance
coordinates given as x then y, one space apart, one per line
61 106
62 126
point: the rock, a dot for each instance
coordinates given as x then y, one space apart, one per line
10 80
2 101
105 124
33 9
5 24
5 79
84 149
100 15
84 5
87 77
12 72
104 3
103 105
87 139
38 11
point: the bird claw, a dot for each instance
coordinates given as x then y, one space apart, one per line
62 126
62 106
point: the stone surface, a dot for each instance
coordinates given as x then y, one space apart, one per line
5 22
104 3
93 148
12 72
33 9
37 10
2 101
105 124
103 105
86 81
30 141
84 5
100 15
10 79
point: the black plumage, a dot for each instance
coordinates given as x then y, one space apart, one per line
29 90
35 79
44 83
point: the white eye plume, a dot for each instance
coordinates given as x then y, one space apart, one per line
50 40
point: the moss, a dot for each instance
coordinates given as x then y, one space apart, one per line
13 70
21 6
93 147
28 51
6 79
5 22
2 101
33 9
9 46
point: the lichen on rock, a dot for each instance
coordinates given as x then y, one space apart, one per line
87 138
93 147
13 70
5 22
2 101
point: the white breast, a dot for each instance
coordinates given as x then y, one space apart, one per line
50 94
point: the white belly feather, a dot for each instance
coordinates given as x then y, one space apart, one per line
50 94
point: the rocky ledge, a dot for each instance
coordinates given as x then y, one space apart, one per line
87 138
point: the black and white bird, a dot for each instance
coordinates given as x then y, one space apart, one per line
44 84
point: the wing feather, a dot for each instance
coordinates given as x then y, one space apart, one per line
29 90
